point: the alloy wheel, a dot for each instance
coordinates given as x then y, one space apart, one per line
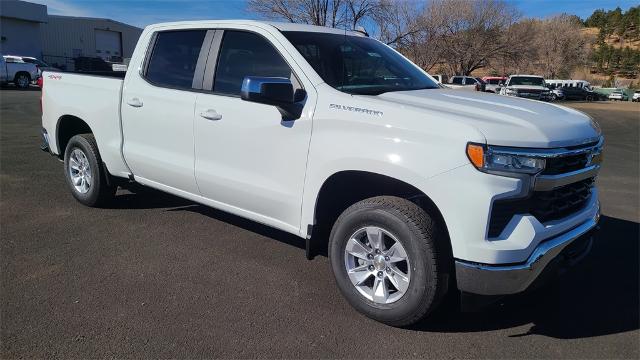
377 265
80 171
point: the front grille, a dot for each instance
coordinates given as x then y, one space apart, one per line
544 205
565 164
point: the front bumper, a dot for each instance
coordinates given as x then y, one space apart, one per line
484 279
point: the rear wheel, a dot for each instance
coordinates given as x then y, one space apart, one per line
84 173
386 261
22 80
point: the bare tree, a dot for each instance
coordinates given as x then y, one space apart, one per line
314 12
473 32
398 19
359 10
560 46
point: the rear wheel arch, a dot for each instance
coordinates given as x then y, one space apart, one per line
68 126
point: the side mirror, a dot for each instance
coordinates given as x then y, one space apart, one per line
274 91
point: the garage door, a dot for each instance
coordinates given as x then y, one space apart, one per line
108 44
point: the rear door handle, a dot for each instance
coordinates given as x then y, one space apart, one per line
135 102
210 114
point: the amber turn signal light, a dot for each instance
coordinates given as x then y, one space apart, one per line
476 155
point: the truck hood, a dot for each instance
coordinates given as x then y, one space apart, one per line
503 120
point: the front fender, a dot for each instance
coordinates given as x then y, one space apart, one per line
371 134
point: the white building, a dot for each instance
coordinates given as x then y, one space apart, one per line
28 30
20 28
65 38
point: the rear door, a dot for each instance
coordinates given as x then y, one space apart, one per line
157 108
248 158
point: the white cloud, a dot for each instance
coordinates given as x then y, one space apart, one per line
63 7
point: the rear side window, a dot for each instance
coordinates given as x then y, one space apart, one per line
174 57
246 54
457 80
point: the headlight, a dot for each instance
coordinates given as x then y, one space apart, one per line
491 160
511 92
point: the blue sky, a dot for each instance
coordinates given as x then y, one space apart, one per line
144 12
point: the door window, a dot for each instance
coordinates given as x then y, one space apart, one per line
174 58
247 54
457 80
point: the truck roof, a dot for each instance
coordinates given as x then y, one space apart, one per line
282 26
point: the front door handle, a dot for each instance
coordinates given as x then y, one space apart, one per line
135 102
210 114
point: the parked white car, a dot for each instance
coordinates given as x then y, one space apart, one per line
636 96
556 92
418 190
14 70
618 95
526 86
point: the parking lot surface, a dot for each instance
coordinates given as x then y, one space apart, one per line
158 276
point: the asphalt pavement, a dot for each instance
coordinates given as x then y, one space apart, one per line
157 276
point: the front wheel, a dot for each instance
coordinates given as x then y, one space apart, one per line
386 260
85 176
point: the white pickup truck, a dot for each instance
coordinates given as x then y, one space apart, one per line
526 86
335 137
14 70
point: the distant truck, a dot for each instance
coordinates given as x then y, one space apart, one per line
526 86
14 70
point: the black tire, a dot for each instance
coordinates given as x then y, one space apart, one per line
99 192
417 232
22 80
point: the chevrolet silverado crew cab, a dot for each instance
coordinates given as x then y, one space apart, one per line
333 136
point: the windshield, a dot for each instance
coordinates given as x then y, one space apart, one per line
527 80
358 65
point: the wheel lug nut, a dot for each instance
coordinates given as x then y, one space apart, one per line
388 269
380 274
369 256
386 258
371 268
377 251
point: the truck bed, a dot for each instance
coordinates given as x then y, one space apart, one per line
94 99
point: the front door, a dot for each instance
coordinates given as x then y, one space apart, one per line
248 158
